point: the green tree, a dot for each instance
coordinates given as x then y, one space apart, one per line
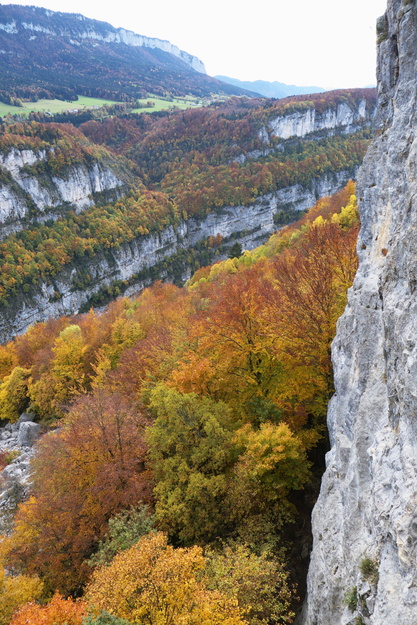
190 450
125 529
104 618
235 250
258 582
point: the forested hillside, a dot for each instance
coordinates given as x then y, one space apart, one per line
208 158
89 213
183 429
48 54
185 435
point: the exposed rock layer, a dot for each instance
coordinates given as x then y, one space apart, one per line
16 441
47 193
31 191
363 567
250 225
91 30
344 118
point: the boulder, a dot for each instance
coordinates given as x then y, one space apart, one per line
28 433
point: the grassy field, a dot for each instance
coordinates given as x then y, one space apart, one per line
162 104
58 106
53 106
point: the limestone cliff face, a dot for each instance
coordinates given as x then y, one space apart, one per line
96 31
344 118
25 194
364 559
250 225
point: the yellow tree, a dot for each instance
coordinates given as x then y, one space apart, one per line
272 463
259 582
16 591
154 584
14 394
65 378
8 359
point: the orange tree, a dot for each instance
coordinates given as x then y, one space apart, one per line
58 611
84 473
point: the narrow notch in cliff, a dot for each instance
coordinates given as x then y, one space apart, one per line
395 65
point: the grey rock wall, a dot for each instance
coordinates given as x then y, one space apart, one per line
254 223
364 559
48 193
344 118
16 441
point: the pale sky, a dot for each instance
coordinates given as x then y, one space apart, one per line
325 43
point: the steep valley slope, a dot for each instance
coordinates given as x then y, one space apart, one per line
187 185
76 55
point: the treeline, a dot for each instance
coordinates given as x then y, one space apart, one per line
77 117
183 424
214 135
63 144
201 188
32 93
320 101
63 62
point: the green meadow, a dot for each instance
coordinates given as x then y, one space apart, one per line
83 102
160 104
53 106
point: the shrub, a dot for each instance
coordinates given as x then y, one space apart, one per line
369 569
351 599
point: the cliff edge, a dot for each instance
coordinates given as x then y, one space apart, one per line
363 567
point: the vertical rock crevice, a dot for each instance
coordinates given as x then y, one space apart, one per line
364 558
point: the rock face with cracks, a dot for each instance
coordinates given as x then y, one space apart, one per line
16 445
364 560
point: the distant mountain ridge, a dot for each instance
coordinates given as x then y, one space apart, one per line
78 27
270 89
45 53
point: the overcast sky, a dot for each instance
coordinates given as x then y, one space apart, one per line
325 43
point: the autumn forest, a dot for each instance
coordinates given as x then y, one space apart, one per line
180 402
186 434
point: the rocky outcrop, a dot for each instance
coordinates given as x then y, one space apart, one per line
363 564
81 28
344 118
69 290
25 194
16 442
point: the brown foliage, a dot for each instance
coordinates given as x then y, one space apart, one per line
84 473
58 611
